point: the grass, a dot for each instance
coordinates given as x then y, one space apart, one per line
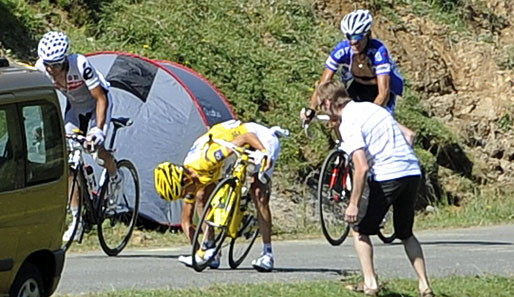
471 286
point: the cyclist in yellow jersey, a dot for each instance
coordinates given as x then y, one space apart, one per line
195 180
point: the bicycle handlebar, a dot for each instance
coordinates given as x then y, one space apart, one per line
306 124
257 157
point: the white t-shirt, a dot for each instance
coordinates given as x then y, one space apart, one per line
367 126
268 140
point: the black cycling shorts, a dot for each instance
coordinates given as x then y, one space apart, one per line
379 196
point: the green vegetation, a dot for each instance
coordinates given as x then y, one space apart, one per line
264 55
452 286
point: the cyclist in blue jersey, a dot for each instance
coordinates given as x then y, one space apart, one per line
367 69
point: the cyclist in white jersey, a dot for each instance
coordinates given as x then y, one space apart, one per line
88 105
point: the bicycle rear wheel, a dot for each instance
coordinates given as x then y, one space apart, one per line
117 223
70 217
333 197
209 234
386 232
246 235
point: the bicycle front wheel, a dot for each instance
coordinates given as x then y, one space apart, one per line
246 235
210 233
332 197
118 222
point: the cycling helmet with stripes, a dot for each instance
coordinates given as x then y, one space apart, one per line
357 22
168 181
53 47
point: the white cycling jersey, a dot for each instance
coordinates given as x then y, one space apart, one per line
81 78
268 140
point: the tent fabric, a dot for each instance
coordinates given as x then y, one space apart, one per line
170 105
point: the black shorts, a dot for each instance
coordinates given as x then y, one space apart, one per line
379 196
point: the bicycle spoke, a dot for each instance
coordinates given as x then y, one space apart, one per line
119 221
333 197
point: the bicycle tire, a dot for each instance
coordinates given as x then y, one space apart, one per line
386 232
249 231
77 177
123 219
227 185
331 210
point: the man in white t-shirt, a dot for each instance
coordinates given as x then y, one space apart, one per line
383 158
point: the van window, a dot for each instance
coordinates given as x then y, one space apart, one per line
7 162
44 141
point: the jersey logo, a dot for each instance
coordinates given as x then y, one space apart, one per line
218 155
378 57
88 73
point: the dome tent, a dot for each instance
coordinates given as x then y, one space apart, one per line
170 105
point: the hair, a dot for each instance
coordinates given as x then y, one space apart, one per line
335 92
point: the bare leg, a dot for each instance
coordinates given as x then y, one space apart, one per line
108 159
408 133
260 196
187 221
415 254
364 249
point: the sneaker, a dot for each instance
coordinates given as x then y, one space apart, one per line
264 263
67 235
115 186
214 264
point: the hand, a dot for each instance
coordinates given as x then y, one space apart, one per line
307 114
95 137
351 213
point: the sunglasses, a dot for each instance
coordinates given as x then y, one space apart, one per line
53 64
356 37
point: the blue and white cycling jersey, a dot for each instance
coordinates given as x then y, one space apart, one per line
377 54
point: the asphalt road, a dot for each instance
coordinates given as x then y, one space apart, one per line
477 251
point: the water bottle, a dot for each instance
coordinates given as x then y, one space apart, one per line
90 179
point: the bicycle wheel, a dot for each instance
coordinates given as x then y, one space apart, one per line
70 218
208 229
246 235
386 231
333 198
117 223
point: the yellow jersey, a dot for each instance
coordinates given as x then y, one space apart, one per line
207 160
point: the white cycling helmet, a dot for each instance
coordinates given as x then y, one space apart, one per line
53 47
357 22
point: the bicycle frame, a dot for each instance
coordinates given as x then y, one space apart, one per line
232 209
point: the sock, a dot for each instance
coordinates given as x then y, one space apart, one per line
266 249
74 212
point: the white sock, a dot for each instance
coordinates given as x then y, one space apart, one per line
266 249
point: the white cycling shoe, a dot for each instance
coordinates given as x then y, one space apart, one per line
264 263
207 255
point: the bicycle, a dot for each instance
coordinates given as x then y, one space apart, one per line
229 213
333 193
115 223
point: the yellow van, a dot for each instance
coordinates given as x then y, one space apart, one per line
33 183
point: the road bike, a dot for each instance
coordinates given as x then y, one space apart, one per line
229 212
333 193
115 218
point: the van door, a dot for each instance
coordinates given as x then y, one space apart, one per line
12 208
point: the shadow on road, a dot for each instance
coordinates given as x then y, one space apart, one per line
343 272
465 242
129 256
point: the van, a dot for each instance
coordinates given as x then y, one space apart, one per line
33 183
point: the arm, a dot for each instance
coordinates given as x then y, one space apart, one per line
383 89
250 139
327 75
359 181
101 106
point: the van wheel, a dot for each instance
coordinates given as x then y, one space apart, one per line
28 282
